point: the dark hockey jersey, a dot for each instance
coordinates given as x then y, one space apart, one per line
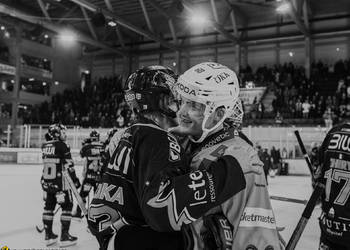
148 182
92 151
335 166
55 155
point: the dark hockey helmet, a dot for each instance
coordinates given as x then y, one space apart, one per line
48 137
145 86
55 131
94 135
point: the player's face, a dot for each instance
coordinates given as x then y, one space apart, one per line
190 117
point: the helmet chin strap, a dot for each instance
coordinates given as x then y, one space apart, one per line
206 131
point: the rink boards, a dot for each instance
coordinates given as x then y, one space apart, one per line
33 156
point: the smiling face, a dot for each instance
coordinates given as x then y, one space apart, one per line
191 115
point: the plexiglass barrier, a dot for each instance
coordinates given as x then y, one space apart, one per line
32 136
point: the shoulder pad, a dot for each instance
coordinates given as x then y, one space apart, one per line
245 154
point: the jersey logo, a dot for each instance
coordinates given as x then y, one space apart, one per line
166 198
174 149
258 217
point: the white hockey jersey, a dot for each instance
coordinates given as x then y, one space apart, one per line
249 211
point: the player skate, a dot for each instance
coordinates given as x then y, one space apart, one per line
50 237
67 239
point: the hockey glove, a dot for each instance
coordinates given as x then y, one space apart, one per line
219 232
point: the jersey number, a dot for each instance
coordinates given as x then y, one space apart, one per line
120 159
337 175
49 172
103 215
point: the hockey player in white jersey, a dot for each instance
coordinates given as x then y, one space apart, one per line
210 111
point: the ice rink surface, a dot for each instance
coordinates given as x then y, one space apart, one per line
22 205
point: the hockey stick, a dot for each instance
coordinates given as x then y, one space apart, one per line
75 192
280 198
41 228
319 189
306 156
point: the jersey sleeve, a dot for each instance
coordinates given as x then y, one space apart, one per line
171 196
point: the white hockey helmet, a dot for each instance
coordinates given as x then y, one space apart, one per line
213 85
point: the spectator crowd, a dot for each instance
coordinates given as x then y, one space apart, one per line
325 95
100 104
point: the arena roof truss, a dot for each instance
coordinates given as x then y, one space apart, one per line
163 24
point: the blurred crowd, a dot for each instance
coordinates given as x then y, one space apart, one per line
100 104
324 95
41 63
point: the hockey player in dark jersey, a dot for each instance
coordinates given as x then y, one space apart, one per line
210 115
92 151
57 158
147 192
335 175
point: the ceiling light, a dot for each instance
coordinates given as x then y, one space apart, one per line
291 54
44 83
198 19
46 36
31 79
67 36
2 27
56 82
283 8
112 23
